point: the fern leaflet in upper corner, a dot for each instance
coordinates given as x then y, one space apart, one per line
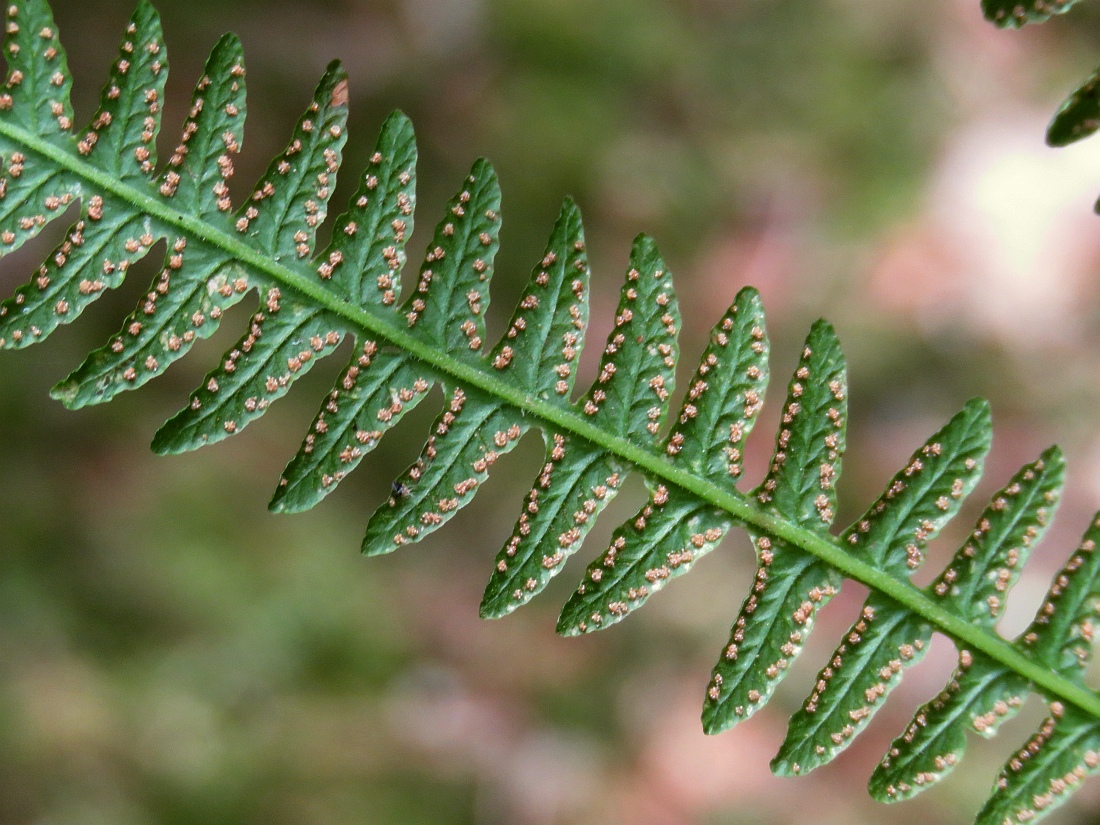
1012 14
1079 115
407 340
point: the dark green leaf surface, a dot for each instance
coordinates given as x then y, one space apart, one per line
801 482
725 395
925 494
447 306
860 674
1062 633
865 667
982 693
885 640
364 259
789 588
673 529
574 486
542 341
61 288
291 199
284 341
196 174
1012 14
286 337
985 567
467 438
376 389
545 336
121 137
1066 748
629 398
195 179
770 631
980 696
1079 116
181 307
1046 770
36 96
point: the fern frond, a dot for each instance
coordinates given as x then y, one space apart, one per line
1012 14
1079 115
407 340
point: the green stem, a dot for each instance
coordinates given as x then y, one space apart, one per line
570 420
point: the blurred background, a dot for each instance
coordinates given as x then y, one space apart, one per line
172 653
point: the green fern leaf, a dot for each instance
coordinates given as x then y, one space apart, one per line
448 308
673 529
287 336
885 639
1066 748
1049 768
789 587
629 399
379 385
897 525
982 693
553 316
1079 116
1011 14
407 341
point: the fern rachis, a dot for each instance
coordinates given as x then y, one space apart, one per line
407 338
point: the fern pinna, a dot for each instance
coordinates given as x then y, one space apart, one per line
1079 115
432 331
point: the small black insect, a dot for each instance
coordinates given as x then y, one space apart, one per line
400 490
